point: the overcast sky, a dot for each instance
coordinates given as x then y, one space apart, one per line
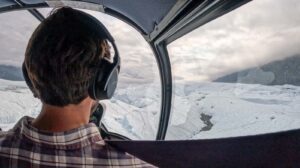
255 34
138 64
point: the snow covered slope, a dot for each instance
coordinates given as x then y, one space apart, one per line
215 110
16 101
206 110
133 116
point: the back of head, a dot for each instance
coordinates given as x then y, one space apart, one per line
62 57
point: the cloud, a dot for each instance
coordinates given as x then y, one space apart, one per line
257 33
252 35
15 30
137 61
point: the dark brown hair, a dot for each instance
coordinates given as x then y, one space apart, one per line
62 56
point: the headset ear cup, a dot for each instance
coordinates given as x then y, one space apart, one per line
111 84
105 82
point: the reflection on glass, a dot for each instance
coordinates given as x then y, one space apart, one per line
239 74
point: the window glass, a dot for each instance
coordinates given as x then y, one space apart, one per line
133 111
239 74
16 99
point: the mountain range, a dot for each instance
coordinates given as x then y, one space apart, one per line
280 72
12 73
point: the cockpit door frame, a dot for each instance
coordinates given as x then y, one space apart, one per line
195 14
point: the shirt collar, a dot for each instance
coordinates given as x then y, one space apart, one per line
75 138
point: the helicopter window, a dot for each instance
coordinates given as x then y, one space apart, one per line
132 112
238 74
16 99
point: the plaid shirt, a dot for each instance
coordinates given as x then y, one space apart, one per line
25 146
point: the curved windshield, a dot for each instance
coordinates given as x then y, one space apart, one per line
16 99
238 74
133 111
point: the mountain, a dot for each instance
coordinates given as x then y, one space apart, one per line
12 73
286 71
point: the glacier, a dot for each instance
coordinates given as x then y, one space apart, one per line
200 110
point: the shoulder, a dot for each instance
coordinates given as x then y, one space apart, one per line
6 137
10 136
7 134
7 140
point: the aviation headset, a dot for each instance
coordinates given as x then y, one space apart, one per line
104 83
